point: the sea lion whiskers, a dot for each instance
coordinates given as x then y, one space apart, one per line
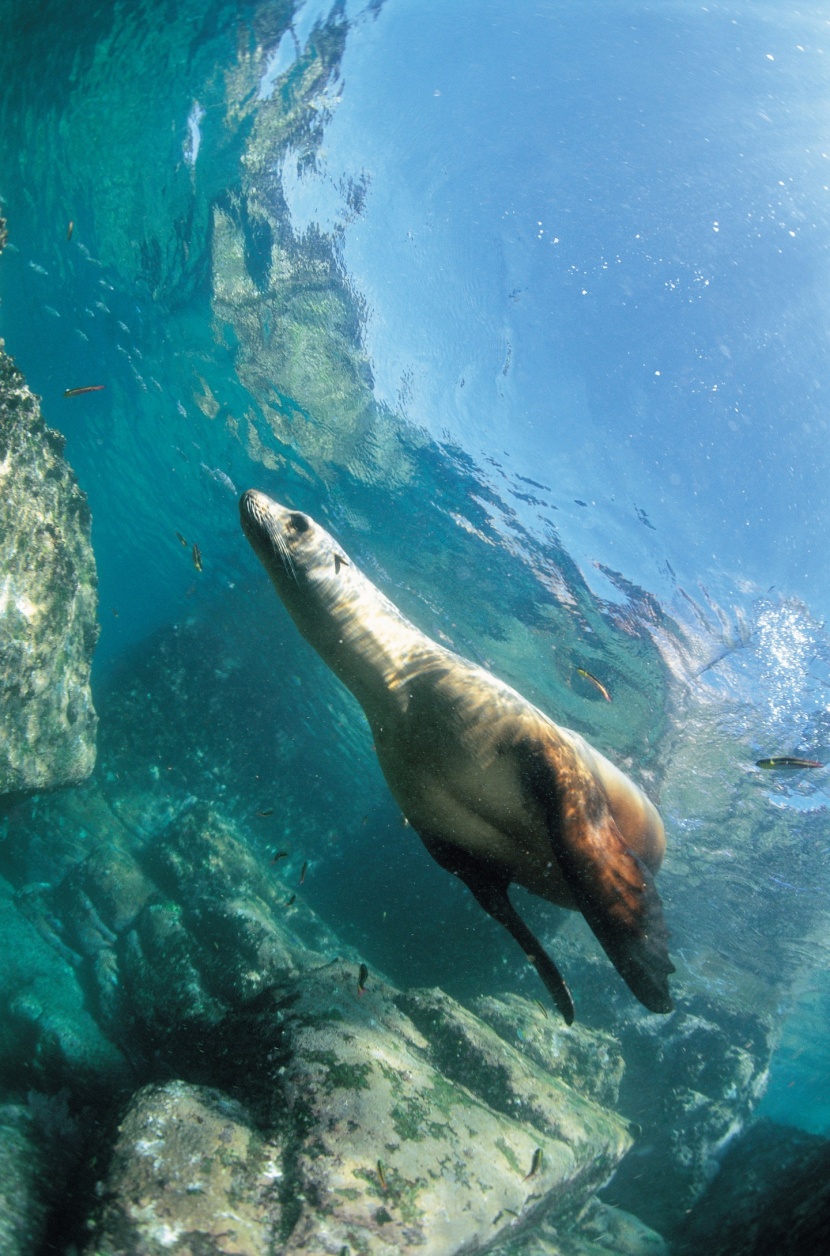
285 556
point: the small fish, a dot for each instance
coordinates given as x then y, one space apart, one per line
303 872
541 1005
219 476
382 1175
50 309
70 229
362 978
197 558
788 761
39 270
266 811
290 899
593 680
182 540
78 392
278 855
535 1164
115 612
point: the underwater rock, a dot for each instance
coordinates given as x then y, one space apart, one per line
597 1231
406 1145
346 1113
587 1059
23 1209
771 1197
189 1173
359 1116
48 597
218 932
48 1038
359 1140
690 1085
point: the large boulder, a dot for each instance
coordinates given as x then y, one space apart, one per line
376 1132
771 1196
48 599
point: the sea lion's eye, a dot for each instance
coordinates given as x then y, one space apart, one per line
298 522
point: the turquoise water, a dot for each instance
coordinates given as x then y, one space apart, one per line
527 307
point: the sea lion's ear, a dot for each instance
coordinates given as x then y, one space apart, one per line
612 887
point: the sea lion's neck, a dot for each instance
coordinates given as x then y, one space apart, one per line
361 635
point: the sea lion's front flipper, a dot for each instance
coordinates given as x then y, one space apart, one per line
489 888
612 887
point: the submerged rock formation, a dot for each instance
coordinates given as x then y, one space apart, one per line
771 1195
22 1194
48 599
277 1097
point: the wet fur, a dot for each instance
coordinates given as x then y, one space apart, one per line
497 792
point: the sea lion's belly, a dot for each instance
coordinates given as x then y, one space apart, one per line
462 791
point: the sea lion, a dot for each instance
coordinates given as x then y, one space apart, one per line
497 792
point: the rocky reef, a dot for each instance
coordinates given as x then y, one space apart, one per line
48 600
270 1093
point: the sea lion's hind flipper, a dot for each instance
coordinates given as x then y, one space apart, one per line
612 887
493 897
490 891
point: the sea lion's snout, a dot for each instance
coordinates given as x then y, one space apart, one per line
252 511
258 516
274 532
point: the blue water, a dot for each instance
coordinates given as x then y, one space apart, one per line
528 305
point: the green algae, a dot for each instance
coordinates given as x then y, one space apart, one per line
509 1155
411 1121
341 1075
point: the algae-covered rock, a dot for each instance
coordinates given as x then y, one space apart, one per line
188 1174
339 1111
355 1136
421 1129
48 584
317 1106
588 1060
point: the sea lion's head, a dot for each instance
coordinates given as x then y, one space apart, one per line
305 563
290 545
